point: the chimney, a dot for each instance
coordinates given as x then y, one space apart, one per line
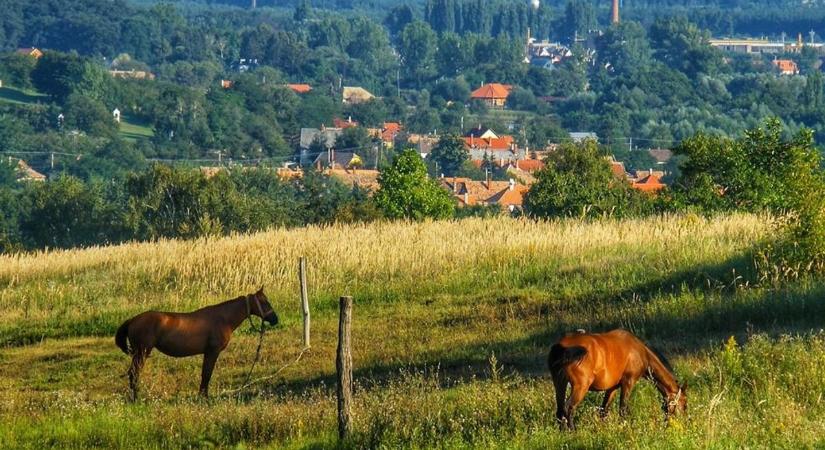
512 184
799 39
466 198
455 186
488 176
615 12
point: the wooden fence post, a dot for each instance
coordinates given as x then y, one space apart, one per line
302 271
343 363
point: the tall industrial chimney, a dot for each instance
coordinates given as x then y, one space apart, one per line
254 4
615 12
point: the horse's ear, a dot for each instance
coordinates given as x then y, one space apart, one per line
261 290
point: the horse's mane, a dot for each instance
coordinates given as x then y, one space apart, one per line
662 358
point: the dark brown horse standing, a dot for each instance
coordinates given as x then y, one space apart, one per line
608 362
203 332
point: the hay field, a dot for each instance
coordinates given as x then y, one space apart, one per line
452 322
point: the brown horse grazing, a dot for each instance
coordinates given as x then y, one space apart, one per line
206 331
607 362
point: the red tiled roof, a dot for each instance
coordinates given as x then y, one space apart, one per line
650 183
786 65
530 165
300 88
492 90
389 131
341 123
617 167
500 143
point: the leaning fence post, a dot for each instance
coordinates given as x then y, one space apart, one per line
302 271
343 363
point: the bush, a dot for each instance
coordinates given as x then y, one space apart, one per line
407 192
577 181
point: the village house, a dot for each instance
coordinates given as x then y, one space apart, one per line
344 124
325 136
227 84
482 143
786 66
650 182
353 95
299 88
30 51
424 143
508 195
494 95
333 160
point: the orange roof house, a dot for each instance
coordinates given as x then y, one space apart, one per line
651 183
493 94
509 195
341 123
30 51
299 88
786 66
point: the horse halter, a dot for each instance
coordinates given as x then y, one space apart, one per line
249 310
675 402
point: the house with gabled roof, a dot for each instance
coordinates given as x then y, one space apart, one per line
35 53
494 95
353 95
299 88
509 195
786 66
332 159
651 183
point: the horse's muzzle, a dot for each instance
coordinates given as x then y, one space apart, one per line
272 319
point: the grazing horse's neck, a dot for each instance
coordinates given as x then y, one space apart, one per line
661 375
237 311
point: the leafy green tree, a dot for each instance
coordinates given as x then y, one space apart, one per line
577 181
16 70
353 139
753 173
303 11
681 45
398 18
89 115
407 192
624 48
450 154
579 18
417 48
67 213
8 172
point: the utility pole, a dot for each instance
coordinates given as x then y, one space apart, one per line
52 160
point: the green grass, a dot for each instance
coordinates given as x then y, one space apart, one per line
452 323
22 96
133 129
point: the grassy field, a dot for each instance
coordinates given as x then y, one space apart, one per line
452 324
131 128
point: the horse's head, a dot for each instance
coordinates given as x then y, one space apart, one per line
260 307
677 401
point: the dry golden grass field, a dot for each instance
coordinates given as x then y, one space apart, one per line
452 324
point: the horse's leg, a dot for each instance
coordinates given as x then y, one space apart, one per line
139 356
577 393
609 395
209 360
561 391
627 388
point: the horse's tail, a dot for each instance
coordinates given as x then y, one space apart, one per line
122 335
561 356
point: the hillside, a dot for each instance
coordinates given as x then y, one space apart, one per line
452 323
